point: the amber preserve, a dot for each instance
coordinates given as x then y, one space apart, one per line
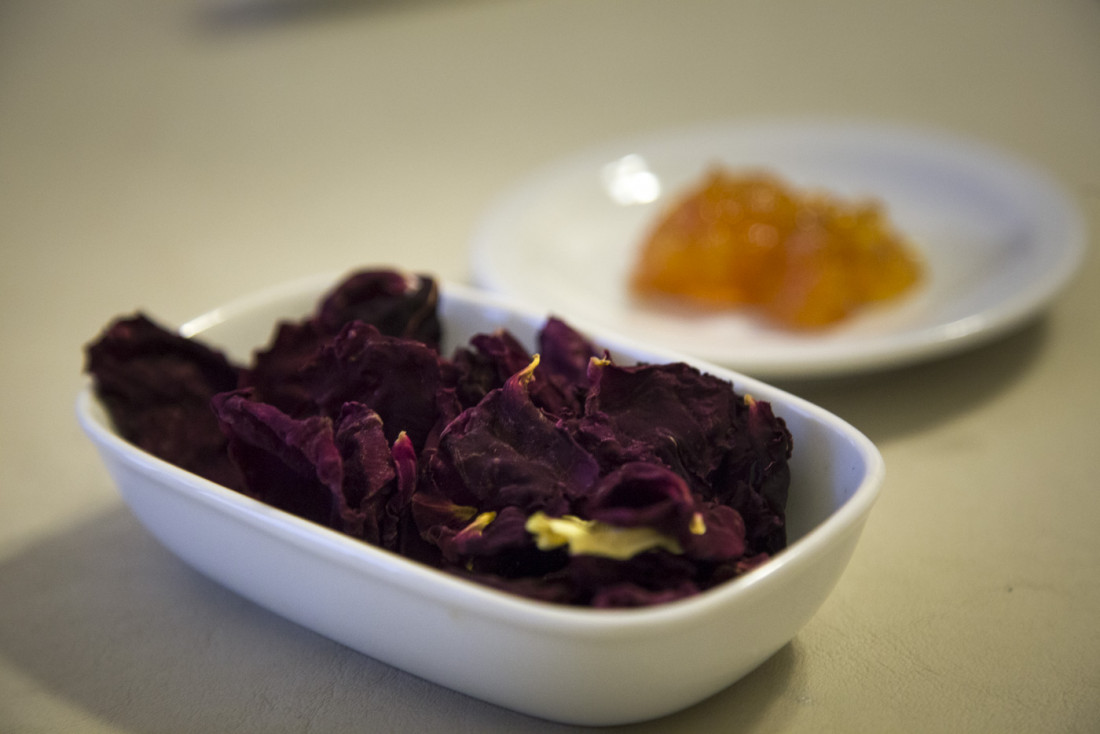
802 260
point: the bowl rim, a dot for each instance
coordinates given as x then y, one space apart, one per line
503 607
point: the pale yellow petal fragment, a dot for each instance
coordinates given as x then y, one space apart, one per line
593 538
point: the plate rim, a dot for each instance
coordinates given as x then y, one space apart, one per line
888 350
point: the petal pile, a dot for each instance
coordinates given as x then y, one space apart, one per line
557 475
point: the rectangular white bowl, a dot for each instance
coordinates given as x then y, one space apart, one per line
581 666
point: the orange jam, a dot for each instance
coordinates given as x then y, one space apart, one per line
805 260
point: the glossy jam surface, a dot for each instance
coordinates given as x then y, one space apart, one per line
804 260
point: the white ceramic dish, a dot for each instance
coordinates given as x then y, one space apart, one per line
583 666
1000 240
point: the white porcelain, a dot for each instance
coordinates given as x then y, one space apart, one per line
999 237
581 666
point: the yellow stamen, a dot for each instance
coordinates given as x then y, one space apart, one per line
480 522
528 373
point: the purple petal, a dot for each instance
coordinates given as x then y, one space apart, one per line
642 494
506 451
289 463
156 386
397 304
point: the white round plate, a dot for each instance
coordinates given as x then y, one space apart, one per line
999 238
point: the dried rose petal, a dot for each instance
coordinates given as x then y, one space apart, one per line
489 534
565 353
721 535
755 477
496 357
670 414
646 576
398 378
275 373
397 304
367 474
642 494
506 451
156 386
291 464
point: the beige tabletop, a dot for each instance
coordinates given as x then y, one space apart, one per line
171 155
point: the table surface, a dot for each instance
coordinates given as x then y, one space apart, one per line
171 155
